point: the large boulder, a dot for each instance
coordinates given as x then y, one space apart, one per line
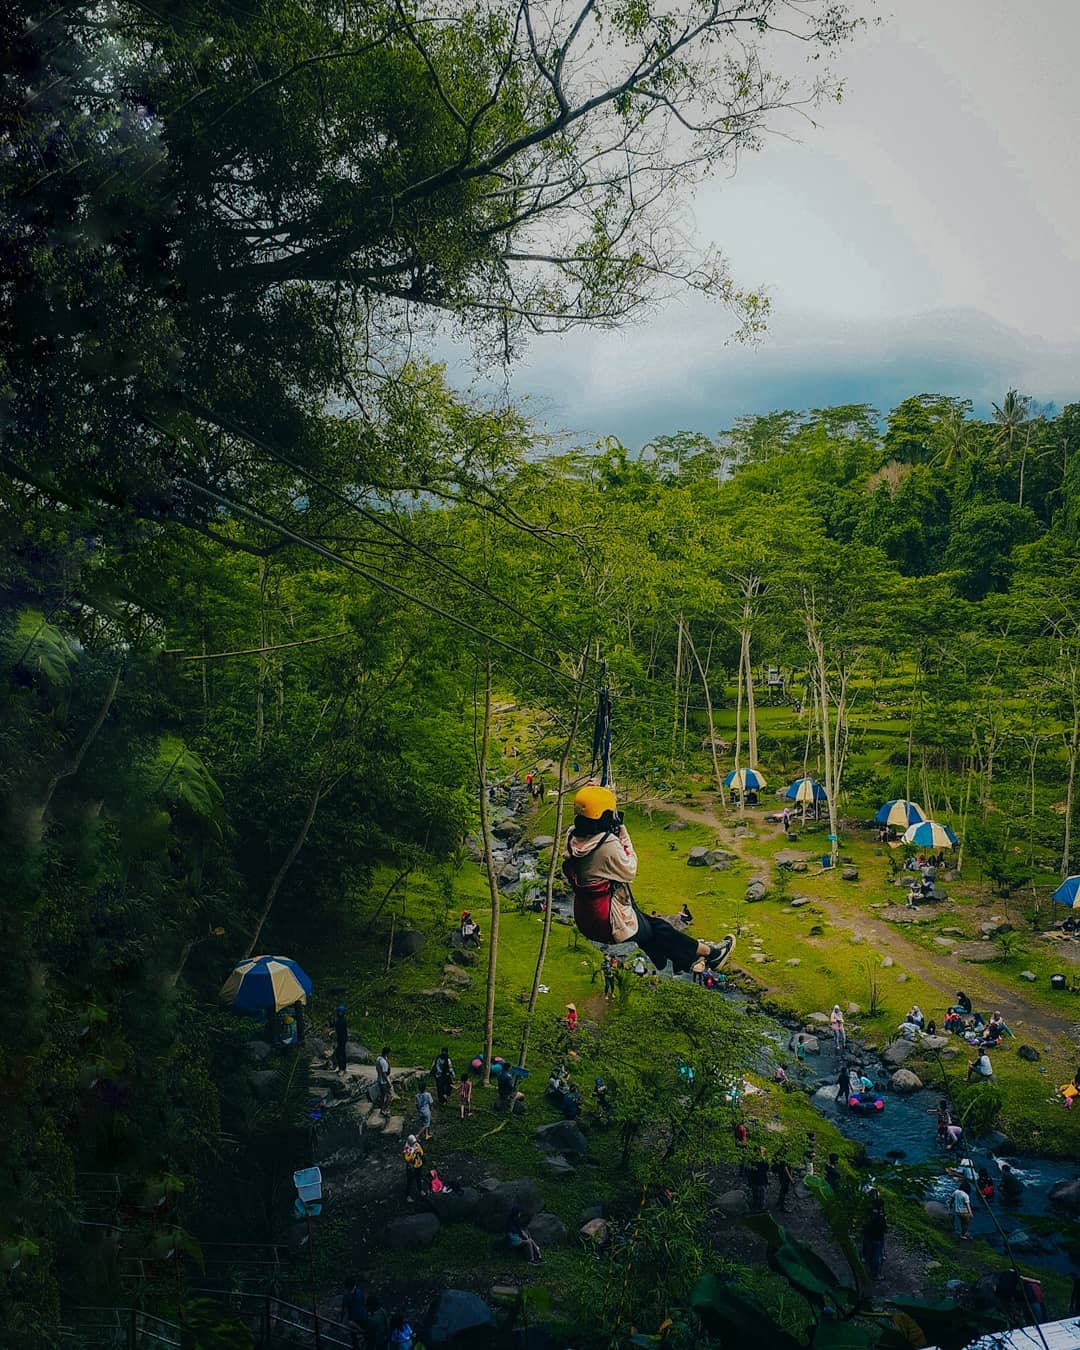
509 875
543 841
547 1229
265 1083
411 1231
939 1212
458 1318
674 825
454 1205
562 1136
507 829
558 1166
698 857
733 1203
899 1053
257 1051
1029 1053
719 855
408 942
355 1053
1066 1195
819 1017
464 956
933 1042
757 890
810 1044
903 1080
456 978
849 874
494 1208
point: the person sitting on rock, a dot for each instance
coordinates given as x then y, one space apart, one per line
519 1236
470 930
600 863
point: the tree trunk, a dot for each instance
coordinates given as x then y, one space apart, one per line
294 851
1066 854
817 647
264 641
738 708
751 710
554 861
88 740
678 680
489 867
708 713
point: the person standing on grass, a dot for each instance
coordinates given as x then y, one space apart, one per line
759 1182
442 1070
608 972
382 1079
786 819
839 1033
378 1324
873 1237
465 1095
413 1156
354 1310
424 1103
961 1208
341 1039
785 1179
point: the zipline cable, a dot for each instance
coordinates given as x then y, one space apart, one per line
374 518
601 743
268 522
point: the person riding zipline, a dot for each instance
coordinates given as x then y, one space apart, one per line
600 863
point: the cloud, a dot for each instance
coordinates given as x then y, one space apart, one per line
678 372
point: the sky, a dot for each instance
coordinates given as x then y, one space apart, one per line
923 237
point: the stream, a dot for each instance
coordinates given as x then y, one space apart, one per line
904 1134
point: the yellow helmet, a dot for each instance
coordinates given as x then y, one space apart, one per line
592 801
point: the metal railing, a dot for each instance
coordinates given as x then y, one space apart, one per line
270 1317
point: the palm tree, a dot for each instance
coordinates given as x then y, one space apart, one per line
953 436
1010 417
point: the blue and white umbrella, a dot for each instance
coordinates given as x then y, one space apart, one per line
265 982
745 780
900 813
806 790
929 834
1068 893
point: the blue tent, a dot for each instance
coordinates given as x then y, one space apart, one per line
806 790
1068 893
746 780
900 813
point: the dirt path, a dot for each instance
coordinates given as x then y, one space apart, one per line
944 973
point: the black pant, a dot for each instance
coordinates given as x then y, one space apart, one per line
339 1055
413 1181
662 943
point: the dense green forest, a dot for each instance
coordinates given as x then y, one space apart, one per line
261 562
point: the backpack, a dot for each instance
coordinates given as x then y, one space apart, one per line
601 913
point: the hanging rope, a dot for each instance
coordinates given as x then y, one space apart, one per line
601 745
